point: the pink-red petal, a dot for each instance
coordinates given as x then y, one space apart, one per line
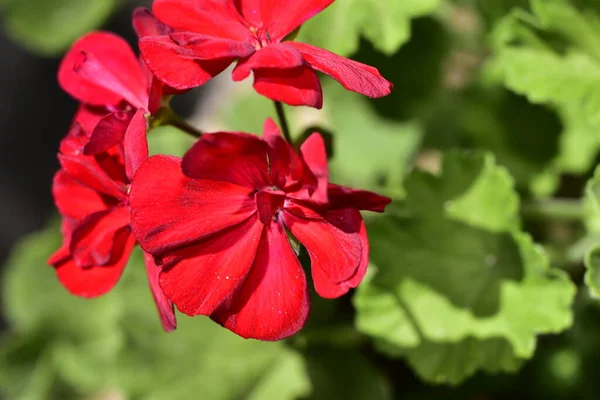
170 210
239 158
93 69
115 55
250 10
109 132
324 285
95 238
87 171
334 246
281 17
88 117
211 17
165 308
353 75
97 280
314 154
342 197
135 143
276 55
203 277
185 67
296 86
273 301
286 167
146 24
73 199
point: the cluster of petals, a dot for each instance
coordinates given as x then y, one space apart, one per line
219 222
99 157
221 228
209 35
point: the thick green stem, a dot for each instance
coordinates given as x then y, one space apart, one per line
166 116
553 209
283 123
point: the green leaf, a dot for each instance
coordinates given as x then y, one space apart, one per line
553 58
592 258
458 287
386 23
48 27
362 381
592 275
368 150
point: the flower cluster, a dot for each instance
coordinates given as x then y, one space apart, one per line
220 227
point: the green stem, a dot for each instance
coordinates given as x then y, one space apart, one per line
553 209
166 116
283 123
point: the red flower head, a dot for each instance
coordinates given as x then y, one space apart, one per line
103 73
99 156
214 33
92 195
219 229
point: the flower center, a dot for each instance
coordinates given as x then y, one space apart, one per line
269 201
261 37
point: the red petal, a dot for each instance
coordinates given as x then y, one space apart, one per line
164 306
170 210
281 17
205 276
72 144
352 75
238 158
135 143
86 171
146 24
326 287
95 239
93 69
277 55
185 67
297 86
63 254
108 133
286 167
73 199
314 153
273 302
116 58
341 197
88 117
97 280
211 17
334 246
250 10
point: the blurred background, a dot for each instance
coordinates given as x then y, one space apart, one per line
486 76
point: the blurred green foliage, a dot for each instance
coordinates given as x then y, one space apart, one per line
492 243
48 27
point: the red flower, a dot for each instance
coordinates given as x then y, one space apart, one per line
220 232
99 156
103 73
91 193
214 33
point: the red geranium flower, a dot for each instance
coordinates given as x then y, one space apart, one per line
103 73
217 223
99 156
91 193
214 33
